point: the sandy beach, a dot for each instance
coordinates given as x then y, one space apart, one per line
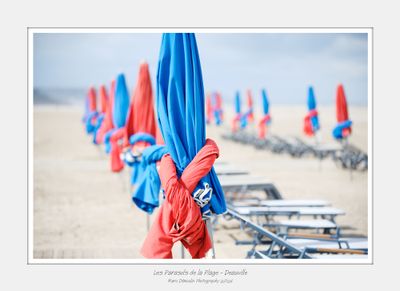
83 210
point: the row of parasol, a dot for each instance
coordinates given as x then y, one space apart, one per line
164 146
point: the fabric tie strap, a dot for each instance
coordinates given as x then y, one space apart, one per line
235 120
116 163
146 193
138 142
90 121
262 126
342 129
311 124
99 121
179 217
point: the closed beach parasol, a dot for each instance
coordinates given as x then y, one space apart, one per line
343 127
266 119
192 189
250 112
103 109
238 114
91 110
120 108
209 109
141 120
218 112
311 122
107 123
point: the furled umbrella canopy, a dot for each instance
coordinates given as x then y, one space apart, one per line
343 127
181 117
103 99
121 102
266 119
311 121
107 123
120 108
209 108
142 117
238 114
140 120
218 112
250 113
101 113
146 193
91 110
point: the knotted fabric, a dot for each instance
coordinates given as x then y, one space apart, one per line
262 126
179 217
91 110
235 121
311 122
250 114
147 188
132 157
342 129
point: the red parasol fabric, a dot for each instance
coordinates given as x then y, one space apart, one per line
107 123
92 99
218 105
179 218
141 118
342 114
159 138
209 109
250 116
262 126
103 99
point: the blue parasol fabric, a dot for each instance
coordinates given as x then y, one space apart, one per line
133 161
237 103
312 107
90 127
337 131
121 102
146 194
265 102
99 121
119 110
181 112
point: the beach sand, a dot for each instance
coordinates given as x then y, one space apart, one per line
83 210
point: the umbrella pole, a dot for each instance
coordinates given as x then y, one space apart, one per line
148 221
182 251
210 231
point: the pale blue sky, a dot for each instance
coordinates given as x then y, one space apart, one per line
284 64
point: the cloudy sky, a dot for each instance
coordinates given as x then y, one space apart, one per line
284 63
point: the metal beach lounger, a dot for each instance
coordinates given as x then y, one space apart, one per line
229 170
280 203
242 183
282 248
266 233
323 212
282 226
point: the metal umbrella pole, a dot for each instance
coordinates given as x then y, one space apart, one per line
211 232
